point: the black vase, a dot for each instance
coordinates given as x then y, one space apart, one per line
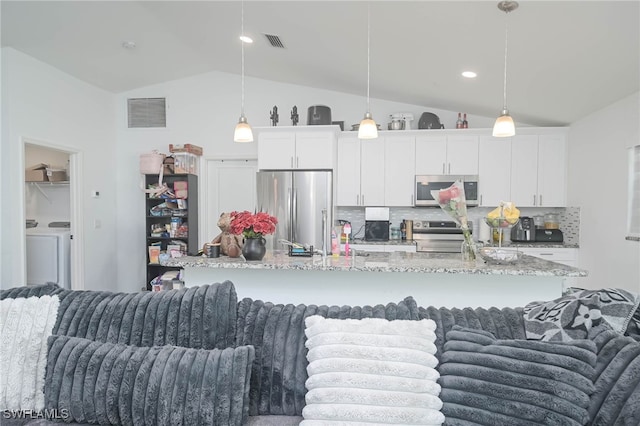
254 248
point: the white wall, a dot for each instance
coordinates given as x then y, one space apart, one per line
598 183
203 110
41 103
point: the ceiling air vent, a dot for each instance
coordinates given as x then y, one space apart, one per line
146 112
274 40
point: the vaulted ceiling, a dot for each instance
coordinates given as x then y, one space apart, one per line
566 59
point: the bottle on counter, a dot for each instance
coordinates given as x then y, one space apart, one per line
465 123
335 244
403 230
459 121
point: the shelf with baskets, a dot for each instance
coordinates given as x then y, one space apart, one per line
171 220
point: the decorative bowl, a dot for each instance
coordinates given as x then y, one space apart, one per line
501 222
499 255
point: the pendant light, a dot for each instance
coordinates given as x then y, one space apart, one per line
368 128
504 126
243 132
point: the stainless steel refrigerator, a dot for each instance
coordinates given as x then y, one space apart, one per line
297 199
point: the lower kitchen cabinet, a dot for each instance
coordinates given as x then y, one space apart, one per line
566 256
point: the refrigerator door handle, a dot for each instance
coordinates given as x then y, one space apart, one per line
294 216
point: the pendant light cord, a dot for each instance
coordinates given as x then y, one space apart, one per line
368 52
506 35
242 68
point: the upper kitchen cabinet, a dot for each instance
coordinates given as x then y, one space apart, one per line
308 148
399 170
444 154
494 170
360 172
538 164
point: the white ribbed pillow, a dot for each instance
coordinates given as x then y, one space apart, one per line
25 325
371 371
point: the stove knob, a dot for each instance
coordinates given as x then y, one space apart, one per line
417 224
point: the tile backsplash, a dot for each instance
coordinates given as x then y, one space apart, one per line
569 217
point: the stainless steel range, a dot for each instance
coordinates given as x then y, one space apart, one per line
438 236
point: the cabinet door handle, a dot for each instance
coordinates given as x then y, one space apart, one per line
363 199
297 162
357 199
540 200
534 199
442 168
546 254
480 199
412 199
449 171
291 158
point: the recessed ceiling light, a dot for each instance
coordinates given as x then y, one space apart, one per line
129 44
469 74
246 39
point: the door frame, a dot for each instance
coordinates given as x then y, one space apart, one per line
205 194
76 211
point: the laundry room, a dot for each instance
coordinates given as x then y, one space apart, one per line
47 212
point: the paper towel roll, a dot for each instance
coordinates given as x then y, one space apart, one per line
484 231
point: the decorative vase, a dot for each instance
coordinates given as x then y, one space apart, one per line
254 248
469 249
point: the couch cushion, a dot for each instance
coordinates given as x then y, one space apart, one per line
195 317
515 382
277 333
25 325
106 383
371 370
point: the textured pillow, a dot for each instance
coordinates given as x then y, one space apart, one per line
371 370
25 325
106 383
515 382
277 333
195 317
575 315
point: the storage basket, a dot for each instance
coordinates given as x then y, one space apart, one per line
151 163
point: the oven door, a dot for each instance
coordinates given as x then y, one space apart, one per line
426 184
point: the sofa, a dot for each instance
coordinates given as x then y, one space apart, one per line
199 355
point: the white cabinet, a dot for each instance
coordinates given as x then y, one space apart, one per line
290 149
494 170
566 256
538 164
399 170
446 154
360 172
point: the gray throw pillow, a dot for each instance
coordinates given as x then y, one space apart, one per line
277 333
486 381
105 383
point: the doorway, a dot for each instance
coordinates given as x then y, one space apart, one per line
53 236
230 184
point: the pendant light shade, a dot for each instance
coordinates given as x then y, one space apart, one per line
504 126
368 128
243 132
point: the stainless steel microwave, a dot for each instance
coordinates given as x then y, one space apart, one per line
425 184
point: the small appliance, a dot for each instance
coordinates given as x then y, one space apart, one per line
429 120
549 236
318 115
427 183
376 223
524 230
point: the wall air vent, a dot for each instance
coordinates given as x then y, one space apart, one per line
274 40
147 112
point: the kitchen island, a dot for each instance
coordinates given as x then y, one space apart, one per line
436 279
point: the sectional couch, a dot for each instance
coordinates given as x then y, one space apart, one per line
202 356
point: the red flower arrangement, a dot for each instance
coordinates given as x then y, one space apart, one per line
252 225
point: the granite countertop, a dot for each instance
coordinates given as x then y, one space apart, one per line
382 243
443 263
505 244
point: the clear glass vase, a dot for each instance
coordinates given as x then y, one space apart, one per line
469 249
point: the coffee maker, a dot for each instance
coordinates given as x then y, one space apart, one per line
524 230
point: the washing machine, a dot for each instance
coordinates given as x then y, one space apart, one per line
49 256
